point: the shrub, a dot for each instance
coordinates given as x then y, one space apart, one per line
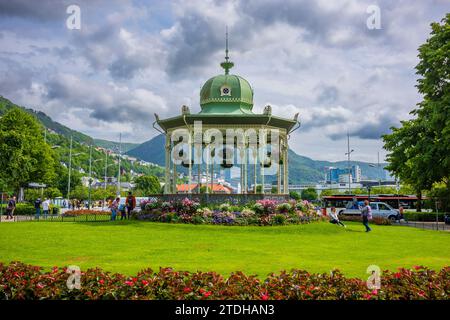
284 207
19 281
83 212
279 219
423 216
22 209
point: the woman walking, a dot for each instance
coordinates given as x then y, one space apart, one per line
366 214
114 207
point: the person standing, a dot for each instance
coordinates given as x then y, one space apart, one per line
11 207
366 214
46 207
130 203
114 207
37 206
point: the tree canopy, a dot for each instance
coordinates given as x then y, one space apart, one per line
419 150
24 155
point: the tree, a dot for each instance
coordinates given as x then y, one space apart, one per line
294 195
24 155
309 194
147 184
419 151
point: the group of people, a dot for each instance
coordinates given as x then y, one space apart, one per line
44 205
124 209
10 208
366 214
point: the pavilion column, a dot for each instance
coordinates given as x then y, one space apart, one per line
190 163
212 170
285 167
207 160
174 178
167 164
245 169
279 176
254 171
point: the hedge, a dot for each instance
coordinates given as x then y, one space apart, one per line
21 281
22 209
423 216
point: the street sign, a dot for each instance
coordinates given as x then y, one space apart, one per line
37 185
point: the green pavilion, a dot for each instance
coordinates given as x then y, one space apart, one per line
226 102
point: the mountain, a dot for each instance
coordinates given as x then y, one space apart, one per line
151 151
60 129
301 169
6 104
111 145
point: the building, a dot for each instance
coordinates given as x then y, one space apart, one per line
226 102
338 175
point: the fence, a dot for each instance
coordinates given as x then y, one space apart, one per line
217 198
101 217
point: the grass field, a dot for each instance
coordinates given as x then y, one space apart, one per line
128 247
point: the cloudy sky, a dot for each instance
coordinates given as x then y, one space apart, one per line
130 59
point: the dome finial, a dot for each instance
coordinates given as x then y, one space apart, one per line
227 65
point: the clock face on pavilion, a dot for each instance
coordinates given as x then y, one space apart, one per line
225 91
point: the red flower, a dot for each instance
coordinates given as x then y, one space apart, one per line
40 285
397 275
418 267
187 290
129 283
374 292
264 296
55 269
145 282
308 293
202 290
134 279
101 281
207 294
421 293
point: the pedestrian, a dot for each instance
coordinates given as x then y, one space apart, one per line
46 207
114 206
366 214
334 218
123 211
130 203
400 213
37 207
10 208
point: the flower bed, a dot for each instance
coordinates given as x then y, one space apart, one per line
262 212
21 281
84 212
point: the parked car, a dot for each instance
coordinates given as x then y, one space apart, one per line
379 209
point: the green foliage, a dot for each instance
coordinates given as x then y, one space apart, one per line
309 194
419 149
148 185
26 282
294 195
24 155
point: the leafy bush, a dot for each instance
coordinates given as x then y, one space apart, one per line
22 209
83 212
279 219
19 281
375 220
423 216
284 207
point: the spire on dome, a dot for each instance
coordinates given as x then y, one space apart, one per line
227 65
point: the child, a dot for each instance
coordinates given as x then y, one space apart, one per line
123 212
334 218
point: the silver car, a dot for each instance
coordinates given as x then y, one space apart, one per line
379 209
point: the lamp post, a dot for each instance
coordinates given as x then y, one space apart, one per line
90 175
348 163
70 167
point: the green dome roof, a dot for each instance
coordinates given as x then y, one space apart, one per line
226 93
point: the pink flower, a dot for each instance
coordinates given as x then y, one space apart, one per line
187 290
421 293
207 294
55 269
374 292
129 283
418 267
40 285
101 281
264 296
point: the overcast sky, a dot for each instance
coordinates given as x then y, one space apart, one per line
133 58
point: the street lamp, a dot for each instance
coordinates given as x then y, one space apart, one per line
70 167
348 163
90 174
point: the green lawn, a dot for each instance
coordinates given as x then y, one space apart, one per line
128 247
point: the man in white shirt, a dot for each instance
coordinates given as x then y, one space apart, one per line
46 207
